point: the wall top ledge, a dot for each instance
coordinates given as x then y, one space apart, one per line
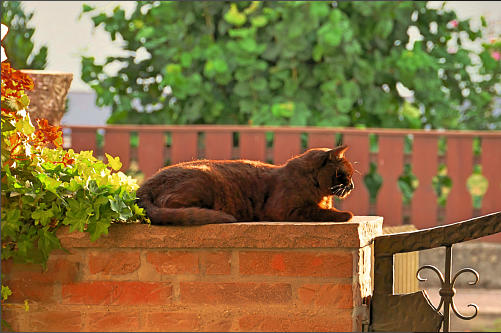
359 232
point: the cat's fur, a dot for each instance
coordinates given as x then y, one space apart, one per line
206 191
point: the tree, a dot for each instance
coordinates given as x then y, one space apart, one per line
295 63
20 45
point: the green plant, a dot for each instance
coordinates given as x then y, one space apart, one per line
295 63
20 46
45 187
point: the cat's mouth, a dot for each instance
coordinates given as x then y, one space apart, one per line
342 190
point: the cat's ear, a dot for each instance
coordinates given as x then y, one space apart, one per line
338 152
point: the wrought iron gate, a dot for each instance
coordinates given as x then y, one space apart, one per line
414 312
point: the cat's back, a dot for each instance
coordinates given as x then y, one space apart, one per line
228 170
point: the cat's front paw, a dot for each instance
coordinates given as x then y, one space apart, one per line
345 216
226 218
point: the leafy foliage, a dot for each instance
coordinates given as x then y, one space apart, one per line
45 187
295 63
19 45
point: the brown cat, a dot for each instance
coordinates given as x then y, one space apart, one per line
206 191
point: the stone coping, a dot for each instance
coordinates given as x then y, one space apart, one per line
354 234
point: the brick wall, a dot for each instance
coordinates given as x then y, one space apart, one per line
234 277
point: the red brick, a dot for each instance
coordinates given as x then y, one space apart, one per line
235 292
113 321
296 322
174 262
59 269
172 322
56 321
117 293
314 264
215 324
328 294
15 319
114 263
30 290
217 263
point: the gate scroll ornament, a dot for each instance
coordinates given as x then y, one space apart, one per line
414 312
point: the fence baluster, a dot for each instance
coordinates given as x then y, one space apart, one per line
285 146
321 140
390 167
218 145
83 139
253 145
491 163
184 146
117 143
459 159
425 167
358 200
150 152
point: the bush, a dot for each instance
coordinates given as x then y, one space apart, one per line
44 188
20 46
295 63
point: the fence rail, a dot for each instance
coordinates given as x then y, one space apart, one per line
160 145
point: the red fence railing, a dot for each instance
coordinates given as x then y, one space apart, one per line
154 146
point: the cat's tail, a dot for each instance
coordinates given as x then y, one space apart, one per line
181 216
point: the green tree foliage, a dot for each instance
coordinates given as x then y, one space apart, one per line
19 44
295 63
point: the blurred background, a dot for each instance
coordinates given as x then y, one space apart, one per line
373 65
373 33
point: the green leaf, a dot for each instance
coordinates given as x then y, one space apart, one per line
259 84
319 9
86 8
186 59
78 213
259 21
248 45
384 27
233 16
145 32
118 205
283 109
220 65
242 89
24 126
42 216
6 292
330 35
50 184
98 19
242 32
47 242
99 227
318 51
114 162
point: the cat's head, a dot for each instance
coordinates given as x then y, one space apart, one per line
331 172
